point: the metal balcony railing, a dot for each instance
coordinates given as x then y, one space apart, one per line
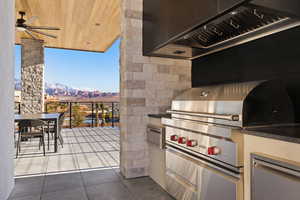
86 114
83 114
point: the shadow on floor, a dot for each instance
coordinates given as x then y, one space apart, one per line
84 148
104 184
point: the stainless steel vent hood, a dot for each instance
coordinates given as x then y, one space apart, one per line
244 22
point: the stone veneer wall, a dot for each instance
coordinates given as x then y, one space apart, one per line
32 76
148 84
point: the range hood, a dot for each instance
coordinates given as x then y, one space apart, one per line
244 22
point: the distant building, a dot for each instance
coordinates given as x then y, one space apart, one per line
17 96
50 98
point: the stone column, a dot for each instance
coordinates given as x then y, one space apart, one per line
148 84
32 76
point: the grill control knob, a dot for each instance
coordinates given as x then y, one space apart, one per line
213 150
174 137
191 143
182 140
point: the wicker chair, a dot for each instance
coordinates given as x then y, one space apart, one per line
31 129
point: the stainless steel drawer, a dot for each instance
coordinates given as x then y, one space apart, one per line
181 177
193 178
156 136
179 188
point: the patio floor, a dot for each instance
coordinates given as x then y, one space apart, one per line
101 184
84 148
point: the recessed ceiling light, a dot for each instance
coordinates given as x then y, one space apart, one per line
179 52
234 12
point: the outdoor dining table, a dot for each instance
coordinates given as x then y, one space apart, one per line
45 117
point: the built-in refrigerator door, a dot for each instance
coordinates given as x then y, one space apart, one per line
274 180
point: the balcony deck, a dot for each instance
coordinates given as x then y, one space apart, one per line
84 148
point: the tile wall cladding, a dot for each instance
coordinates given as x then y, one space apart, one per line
148 84
32 76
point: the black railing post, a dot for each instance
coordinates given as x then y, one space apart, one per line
93 115
46 107
70 108
112 115
19 108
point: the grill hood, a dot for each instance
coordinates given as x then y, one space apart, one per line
244 22
248 104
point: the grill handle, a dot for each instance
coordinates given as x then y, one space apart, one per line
206 115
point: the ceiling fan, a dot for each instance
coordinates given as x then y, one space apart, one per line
27 28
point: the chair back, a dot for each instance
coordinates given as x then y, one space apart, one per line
26 125
60 126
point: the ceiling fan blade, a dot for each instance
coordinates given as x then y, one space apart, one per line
43 27
31 19
20 29
42 33
28 32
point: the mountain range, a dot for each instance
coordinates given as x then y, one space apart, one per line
58 89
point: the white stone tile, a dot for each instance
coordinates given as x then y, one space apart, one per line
86 147
90 160
31 165
81 139
61 163
109 159
74 155
76 148
96 147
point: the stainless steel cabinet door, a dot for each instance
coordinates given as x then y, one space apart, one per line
273 181
214 185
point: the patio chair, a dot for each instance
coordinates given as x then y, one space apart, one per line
31 129
50 128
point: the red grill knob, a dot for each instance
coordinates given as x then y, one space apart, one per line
174 137
181 140
213 150
191 143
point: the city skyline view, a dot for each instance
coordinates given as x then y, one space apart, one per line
101 70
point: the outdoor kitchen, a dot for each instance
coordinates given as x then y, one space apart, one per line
234 135
209 106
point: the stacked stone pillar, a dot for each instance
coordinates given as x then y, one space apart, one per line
148 84
32 76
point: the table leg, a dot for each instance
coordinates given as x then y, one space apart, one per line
55 136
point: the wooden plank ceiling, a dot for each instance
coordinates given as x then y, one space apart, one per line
89 25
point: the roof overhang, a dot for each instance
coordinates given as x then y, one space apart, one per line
86 25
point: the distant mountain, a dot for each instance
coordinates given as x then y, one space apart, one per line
58 89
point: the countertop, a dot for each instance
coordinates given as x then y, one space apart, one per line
289 133
162 115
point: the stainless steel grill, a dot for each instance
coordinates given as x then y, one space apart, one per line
204 136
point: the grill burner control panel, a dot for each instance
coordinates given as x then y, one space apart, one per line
194 143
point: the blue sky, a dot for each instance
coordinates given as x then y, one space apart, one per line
80 69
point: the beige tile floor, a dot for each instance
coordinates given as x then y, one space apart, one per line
84 148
